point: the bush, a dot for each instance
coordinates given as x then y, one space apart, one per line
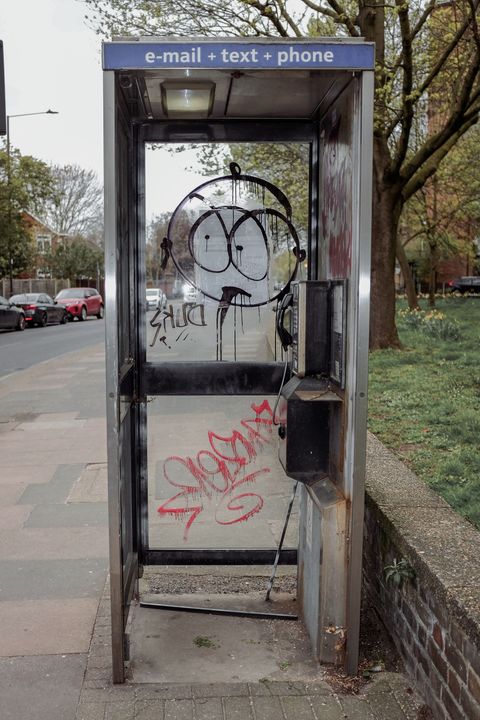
430 322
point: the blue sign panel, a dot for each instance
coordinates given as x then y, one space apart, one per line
235 55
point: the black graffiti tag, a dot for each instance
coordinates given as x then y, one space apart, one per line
187 314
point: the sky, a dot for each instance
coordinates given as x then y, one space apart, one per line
53 61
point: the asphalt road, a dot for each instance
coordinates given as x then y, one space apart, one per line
21 350
197 339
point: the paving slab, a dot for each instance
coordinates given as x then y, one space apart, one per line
237 708
48 579
387 705
10 494
71 515
21 473
91 486
210 709
233 701
54 543
358 708
56 490
44 423
45 687
267 708
85 453
328 708
46 627
298 707
13 517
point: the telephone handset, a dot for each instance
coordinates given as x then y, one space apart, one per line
284 335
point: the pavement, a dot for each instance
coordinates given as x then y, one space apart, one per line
54 607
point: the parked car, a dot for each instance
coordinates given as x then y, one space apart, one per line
81 302
466 284
155 298
40 309
11 316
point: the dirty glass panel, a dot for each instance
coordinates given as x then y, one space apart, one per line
215 480
220 250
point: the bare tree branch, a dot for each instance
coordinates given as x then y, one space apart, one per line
407 86
475 30
77 204
337 14
464 115
450 48
342 17
266 10
436 69
288 18
415 31
430 166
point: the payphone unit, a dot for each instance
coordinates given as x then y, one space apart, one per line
316 338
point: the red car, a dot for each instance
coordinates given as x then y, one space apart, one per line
81 302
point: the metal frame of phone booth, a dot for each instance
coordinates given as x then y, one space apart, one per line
332 78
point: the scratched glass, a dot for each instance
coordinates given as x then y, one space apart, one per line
222 255
222 252
215 480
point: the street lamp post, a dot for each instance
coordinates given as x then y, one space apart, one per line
9 187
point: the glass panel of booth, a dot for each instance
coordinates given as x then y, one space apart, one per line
221 254
214 477
220 250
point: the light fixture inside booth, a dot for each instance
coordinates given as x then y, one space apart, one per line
182 98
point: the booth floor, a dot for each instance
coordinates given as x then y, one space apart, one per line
196 647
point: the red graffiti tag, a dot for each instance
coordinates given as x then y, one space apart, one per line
221 473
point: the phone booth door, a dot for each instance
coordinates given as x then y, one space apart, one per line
222 259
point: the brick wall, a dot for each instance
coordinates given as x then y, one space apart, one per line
433 619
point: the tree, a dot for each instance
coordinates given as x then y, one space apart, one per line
76 207
75 258
283 164
422 47
155 252
441 215
25 184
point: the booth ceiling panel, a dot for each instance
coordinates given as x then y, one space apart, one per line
293 94
286 97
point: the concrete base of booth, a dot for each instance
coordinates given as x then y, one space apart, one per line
174 645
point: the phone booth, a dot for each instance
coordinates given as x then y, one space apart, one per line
237 315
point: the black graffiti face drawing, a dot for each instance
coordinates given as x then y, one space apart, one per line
241 248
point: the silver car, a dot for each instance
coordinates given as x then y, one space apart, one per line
155 299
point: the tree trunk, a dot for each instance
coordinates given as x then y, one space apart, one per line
387 198
432 279
407 276
433 245
386 215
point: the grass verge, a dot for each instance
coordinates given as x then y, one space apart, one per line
424 399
